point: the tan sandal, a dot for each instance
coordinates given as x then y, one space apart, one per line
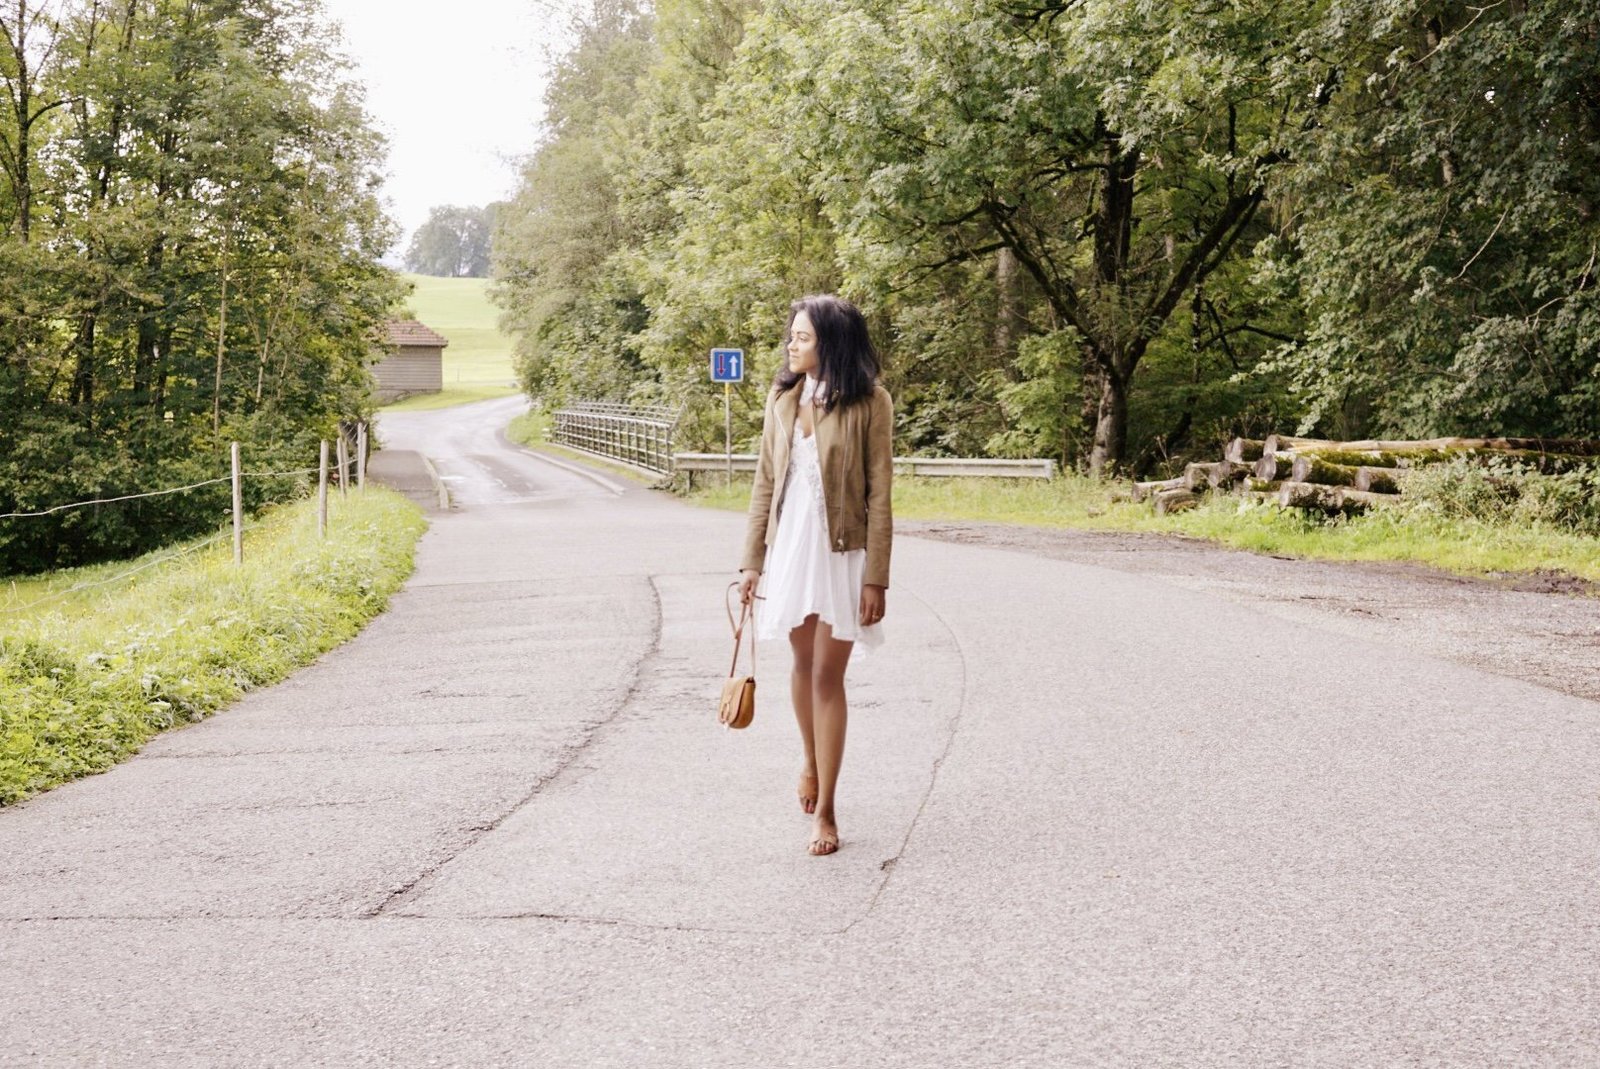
824 844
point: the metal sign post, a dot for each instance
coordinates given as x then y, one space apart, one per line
727 367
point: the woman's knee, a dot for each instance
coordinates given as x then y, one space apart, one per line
827 683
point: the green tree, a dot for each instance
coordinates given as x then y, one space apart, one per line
1105 230
567 298
197 261
1446 243
1120 152
453 243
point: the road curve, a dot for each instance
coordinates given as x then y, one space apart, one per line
1089 817
478 465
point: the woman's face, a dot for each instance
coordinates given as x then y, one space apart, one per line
802 345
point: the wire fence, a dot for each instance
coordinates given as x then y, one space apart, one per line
348 464
155 493
78 588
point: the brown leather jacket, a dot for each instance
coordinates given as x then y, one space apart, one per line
855 445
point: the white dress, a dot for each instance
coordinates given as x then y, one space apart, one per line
803 574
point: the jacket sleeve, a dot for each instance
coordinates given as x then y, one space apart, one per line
755 537
880 485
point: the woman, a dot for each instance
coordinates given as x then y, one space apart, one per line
820 528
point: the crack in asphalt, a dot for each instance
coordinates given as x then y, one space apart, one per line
567 756
889 864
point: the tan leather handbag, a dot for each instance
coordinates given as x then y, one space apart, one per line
738 705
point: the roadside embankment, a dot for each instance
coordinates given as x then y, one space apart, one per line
93 662
1451 528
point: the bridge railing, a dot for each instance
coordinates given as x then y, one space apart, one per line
636 435
641 436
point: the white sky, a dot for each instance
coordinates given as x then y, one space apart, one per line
457 87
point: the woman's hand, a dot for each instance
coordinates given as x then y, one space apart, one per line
747 585
873 602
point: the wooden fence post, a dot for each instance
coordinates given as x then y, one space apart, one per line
344 464
322 492
238 507
361 455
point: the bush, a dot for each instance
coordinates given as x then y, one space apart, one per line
45 462
1509 492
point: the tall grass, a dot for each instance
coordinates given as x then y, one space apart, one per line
90 670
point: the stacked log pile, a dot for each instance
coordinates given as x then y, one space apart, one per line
1346 477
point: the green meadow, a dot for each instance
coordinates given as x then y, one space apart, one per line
477 362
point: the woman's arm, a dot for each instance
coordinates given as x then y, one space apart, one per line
880 484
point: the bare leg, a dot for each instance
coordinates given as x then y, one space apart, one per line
803 640
829 715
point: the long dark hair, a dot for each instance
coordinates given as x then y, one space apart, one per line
847 364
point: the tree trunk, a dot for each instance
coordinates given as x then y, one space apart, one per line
1007 301
21 102
1313 469
1293 495
1570 446
1272 466
1141 491
1114 225
1111 428
1226 474
1090 389
1329 498
83 374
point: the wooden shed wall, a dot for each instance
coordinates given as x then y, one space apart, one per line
413 369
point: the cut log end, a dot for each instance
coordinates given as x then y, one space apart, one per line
1244 451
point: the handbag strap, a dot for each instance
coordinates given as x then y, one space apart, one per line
738 629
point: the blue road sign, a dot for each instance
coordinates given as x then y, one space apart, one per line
727 365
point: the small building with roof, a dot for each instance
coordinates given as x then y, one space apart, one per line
414 362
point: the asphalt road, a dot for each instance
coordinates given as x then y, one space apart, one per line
1079 829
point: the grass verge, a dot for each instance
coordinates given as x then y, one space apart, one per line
1406 533
90 669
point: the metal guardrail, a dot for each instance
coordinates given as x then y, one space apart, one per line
641 436
638 435
969 467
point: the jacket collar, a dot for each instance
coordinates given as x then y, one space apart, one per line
788 410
